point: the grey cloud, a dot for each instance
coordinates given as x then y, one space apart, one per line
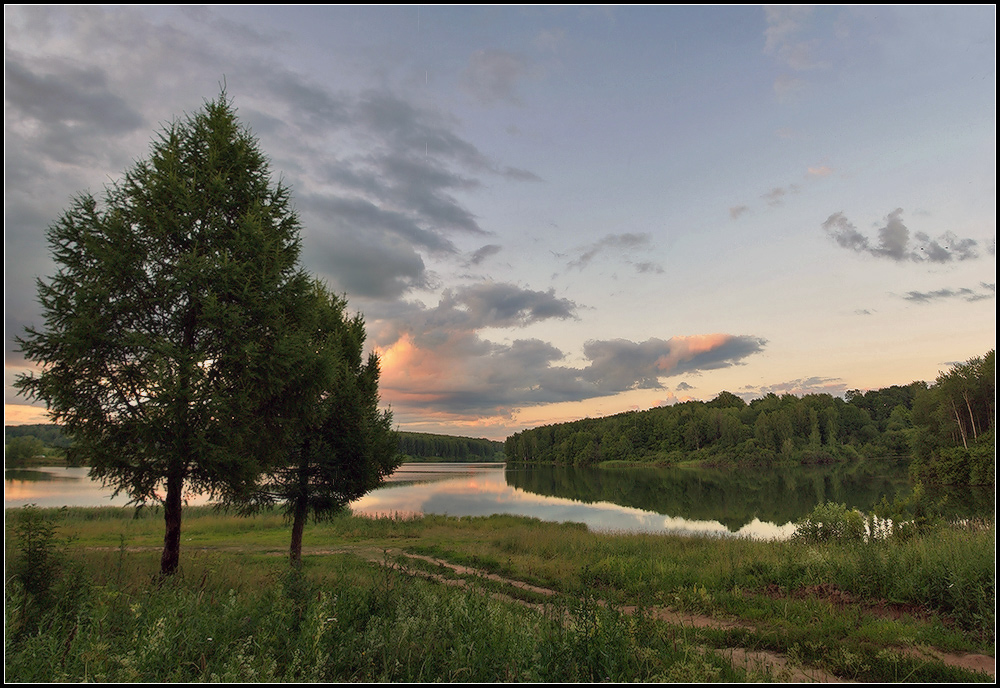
776 196
518 175
481 254
68 95
963 293
57 111
738 211
506 305
683 387
353 214
894 241
492 76
370 170
468 309
501 378
845 234
893 238
619 364
402 126
834 386
623 242
647 267
622 364
368 266
402 185
311 106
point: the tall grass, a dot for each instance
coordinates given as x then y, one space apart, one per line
235 612
358 624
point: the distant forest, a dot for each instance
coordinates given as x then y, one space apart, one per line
421 446
946 430
415 446
50 435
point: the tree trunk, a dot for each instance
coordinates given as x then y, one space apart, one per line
298 526
958 420
172 517
972 418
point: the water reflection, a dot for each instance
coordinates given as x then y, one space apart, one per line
761 504
56 487
487 489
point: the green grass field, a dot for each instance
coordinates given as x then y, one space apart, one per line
448 599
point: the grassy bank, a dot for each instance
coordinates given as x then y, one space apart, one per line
88 606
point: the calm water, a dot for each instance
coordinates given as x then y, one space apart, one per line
752 503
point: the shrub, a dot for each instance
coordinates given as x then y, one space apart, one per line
831 521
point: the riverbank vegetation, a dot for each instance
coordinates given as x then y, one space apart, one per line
948 428
418 447
488 599
45 445
35 445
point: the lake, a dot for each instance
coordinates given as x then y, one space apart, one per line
754 503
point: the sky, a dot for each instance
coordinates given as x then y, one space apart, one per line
550 213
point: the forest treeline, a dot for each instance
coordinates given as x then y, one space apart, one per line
422 446
945 429
46 439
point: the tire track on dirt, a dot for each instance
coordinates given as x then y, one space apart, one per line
778 664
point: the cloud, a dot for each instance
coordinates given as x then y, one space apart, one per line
647 267
963 293
481 254
504 305
436 357
819 171
375 265
737 211
833 386
894 242
66 95
776 196
492 76
620 364
614 242
784 24
465 375
461 312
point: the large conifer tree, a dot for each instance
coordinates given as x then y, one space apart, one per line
172 345
345 446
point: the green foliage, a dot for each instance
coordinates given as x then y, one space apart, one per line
38 558
954 438
169 342
947 428
20 450
243 616
422 446
831 521
51 435
725 431
345 446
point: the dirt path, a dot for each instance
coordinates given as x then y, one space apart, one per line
776 664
